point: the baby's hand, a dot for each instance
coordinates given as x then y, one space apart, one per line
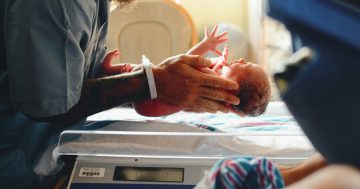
212 40
221 61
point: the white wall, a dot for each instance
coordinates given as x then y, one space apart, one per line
210 12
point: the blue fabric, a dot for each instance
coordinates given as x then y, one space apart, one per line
50 46
22 142
335 18
324 95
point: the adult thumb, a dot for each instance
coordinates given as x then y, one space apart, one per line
196 61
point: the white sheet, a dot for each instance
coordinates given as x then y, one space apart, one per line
278 134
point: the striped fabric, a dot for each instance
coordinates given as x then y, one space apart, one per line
243 172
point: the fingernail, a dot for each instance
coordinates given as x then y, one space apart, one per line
235 102
207 61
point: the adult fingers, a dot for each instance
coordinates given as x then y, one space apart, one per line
219 95
210 105
195 61
200 109
218 82
193 111
208 71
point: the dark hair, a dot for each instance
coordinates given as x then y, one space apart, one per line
254 97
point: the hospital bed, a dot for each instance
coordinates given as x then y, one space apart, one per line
174 151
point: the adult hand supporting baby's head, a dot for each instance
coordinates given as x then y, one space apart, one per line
179 82
254 86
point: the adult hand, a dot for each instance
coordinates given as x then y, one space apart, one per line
179 82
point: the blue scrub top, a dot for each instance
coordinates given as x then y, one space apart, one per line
48 47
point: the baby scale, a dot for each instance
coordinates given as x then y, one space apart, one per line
109 158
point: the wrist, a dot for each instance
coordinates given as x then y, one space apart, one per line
150 77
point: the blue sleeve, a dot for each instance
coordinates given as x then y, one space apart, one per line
45 42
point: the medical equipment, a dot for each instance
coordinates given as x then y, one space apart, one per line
141 173
130 163
138 173
145 149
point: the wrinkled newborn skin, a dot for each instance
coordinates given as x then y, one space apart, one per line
254 91
254 87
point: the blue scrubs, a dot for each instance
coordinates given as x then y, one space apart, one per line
48 47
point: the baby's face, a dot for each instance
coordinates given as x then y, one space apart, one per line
236 70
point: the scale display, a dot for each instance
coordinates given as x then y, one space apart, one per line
148 174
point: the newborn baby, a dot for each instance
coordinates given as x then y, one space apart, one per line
254 87
254 91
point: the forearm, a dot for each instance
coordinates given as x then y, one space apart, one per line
199 49
305 168
104 93
331 177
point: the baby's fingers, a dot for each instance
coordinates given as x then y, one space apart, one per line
221 35
218 52
214 31
223 40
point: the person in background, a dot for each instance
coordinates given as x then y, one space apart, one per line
50 80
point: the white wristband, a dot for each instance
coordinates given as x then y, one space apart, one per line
150 76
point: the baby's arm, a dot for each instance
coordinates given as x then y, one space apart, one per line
209 43
221 61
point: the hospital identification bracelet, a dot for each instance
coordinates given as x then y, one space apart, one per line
150 76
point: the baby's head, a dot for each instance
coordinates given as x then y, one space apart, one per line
254 86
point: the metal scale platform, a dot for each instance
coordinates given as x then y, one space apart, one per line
137 158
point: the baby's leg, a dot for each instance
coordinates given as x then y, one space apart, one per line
112 69
154 108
